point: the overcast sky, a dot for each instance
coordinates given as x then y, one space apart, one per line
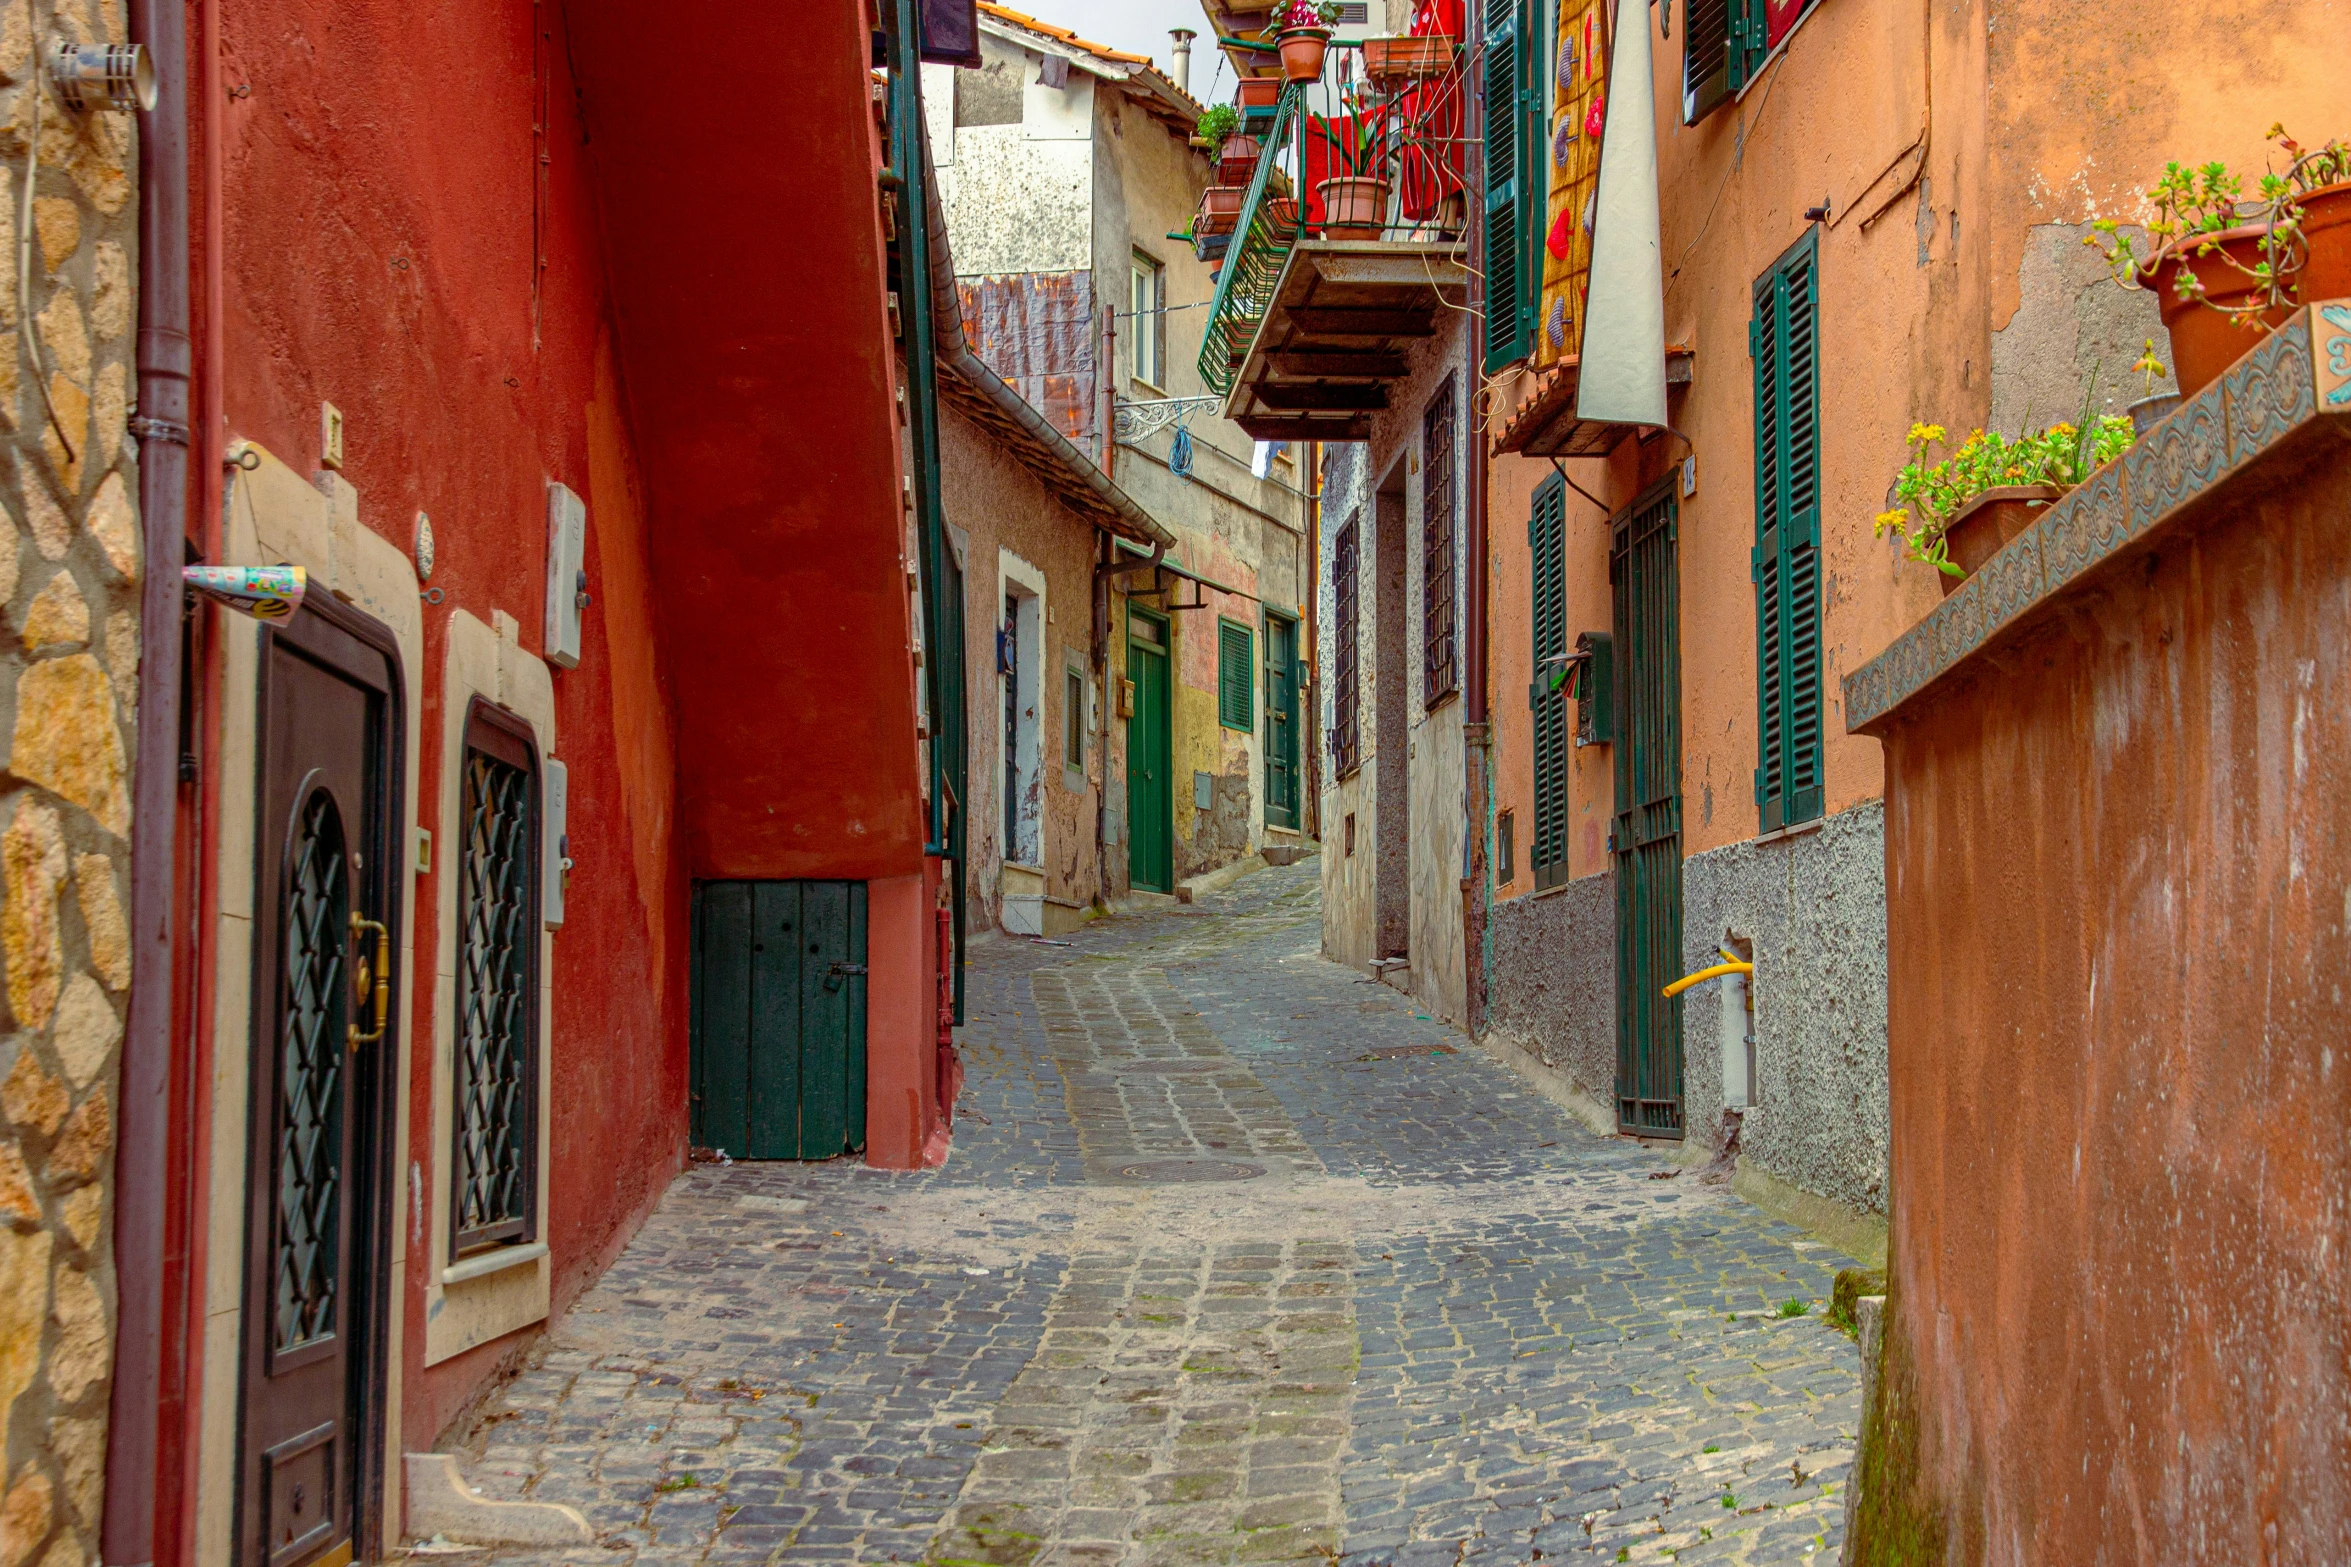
1137 26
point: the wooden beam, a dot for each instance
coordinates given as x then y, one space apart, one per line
1263 427
1345 321
1299 396
1337 364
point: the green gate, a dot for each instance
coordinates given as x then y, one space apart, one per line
1645 841
1150 789
778 1002
1281 722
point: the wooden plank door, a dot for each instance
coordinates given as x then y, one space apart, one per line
1150 789
1645 840
1281 722
778 998
328 873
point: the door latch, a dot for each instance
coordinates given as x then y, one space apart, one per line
382 988
836 972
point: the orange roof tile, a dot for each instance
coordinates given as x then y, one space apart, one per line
1005 13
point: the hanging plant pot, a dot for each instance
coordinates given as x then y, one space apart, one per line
2206 340
1302 51
1393 62
1258 97
1978 530
1354 206
1279 214
1220 209
1237 160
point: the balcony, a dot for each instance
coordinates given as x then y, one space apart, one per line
1344 249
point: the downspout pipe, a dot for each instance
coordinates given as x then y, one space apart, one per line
142 1146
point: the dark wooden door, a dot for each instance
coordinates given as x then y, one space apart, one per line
1150 789
779 1018
1645 841
317 1221
1281 722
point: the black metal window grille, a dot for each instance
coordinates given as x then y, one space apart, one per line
310 1078
497 988
1346 726
1440 667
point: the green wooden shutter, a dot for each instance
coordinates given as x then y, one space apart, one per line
1744 46
1783 337
1514 192
1236 676
1554 717
1706 38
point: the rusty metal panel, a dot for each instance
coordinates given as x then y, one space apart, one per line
1037 331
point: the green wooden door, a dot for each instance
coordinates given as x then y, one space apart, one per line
779 1018
1645 841
1150 790
1281 723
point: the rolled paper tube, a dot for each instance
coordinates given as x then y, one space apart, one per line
264 592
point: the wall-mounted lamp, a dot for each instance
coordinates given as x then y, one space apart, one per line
103 76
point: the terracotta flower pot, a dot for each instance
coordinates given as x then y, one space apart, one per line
1237 160
1396 60
1280 214
1220 209
1302 50
1981 527
1259 94
1353 207
2204 341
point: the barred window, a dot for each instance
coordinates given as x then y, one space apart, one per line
1346 730
494 1169
1440 666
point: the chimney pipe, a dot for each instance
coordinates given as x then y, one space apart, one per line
1182 53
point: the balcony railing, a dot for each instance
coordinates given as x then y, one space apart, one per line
1264 234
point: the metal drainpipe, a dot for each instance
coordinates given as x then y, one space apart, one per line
142 1148
1477 777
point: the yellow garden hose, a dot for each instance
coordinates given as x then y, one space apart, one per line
1716 972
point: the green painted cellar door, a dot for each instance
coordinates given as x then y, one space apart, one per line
779 1018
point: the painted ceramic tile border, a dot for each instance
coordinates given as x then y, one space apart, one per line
2299 373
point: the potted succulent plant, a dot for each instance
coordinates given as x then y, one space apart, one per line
2225 266
1956 514
1302 31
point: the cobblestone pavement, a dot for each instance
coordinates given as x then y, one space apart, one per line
1238 1258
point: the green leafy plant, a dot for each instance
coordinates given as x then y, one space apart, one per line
2150 367
1218 122
2186 208
1930 494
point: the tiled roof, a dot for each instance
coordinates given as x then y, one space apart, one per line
1129 65
1005 13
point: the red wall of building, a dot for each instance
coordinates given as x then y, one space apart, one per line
384 215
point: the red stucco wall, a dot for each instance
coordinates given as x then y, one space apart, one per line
378 228
2119 892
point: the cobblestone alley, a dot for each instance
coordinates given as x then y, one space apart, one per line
1237 1259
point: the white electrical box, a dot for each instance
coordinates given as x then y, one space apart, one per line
567 574
555 852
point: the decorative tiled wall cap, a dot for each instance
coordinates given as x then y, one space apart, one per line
2298 375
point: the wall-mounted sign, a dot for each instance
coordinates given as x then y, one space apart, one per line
264 592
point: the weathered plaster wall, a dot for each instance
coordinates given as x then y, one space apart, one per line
1812 908
998 504
69 577
2119 909
1553 991
1018 194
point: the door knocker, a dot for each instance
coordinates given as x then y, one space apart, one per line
380 972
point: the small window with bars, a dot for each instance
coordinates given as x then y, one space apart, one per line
1236 675
494 1171
1346 616
1440 661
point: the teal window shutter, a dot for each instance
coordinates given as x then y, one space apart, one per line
1514 191
1783 338
1554 714
1236 676
1744 47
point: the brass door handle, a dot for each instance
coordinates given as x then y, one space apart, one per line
382 987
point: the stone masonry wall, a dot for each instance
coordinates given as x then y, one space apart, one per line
68 679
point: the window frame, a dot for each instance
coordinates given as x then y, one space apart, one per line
1440 547
1148 322
504 737
1346 735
